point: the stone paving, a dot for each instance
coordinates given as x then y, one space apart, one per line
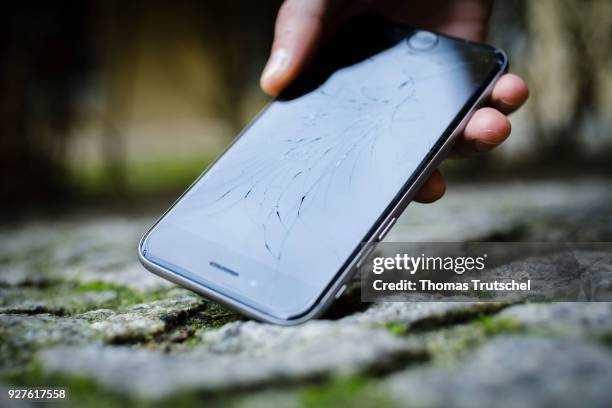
77 310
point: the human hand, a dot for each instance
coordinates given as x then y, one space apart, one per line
302 25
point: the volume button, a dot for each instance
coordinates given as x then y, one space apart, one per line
363 255
386 229
340 291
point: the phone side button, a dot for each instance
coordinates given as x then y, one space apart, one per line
363 256
340 291
386 229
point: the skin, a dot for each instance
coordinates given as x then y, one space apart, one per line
303 25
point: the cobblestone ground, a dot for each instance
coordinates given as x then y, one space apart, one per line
77 310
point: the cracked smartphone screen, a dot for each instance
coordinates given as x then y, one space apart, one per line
275 218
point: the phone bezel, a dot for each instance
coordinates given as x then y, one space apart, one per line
378 229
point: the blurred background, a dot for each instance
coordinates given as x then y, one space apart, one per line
118 106
109 110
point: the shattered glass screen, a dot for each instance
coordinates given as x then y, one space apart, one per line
273 221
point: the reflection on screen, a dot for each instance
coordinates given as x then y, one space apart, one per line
276 217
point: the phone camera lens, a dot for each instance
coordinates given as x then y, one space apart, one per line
423 40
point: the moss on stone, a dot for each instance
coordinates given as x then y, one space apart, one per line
127 297
496 325
452 340
353 391
399 329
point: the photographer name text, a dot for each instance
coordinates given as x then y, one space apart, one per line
429 285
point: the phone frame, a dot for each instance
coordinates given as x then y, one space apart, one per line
376 233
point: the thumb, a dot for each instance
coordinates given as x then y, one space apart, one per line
297 34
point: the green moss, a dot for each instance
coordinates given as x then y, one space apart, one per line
69 298
215 316
453 339
98 286
495 325
398 329
340 392
448 344
61 299
126 297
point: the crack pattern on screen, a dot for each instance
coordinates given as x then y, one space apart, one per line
311 150
304 166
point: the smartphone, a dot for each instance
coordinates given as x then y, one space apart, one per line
275 227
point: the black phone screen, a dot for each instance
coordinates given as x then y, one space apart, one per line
275 218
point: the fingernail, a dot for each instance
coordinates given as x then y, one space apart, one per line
510 104
276 64
484 145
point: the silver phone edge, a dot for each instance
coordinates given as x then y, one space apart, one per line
327 298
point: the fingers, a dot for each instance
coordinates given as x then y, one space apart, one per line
489 127
509 93
433 189
298 30
486 129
